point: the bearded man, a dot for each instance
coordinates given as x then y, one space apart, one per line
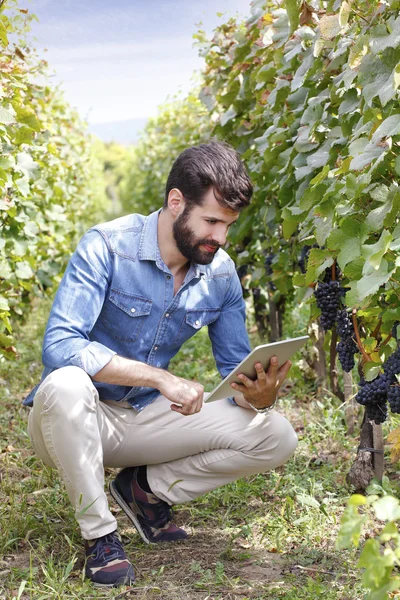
134 291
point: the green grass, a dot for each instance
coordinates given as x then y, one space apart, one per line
269 536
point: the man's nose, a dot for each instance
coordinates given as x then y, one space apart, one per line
220 237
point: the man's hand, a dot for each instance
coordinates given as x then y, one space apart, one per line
262 392
186 396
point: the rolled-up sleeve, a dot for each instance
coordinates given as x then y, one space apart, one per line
76 307
228 334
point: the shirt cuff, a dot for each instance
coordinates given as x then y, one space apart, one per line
93 358
232 401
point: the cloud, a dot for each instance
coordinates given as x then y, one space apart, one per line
114 50
120 60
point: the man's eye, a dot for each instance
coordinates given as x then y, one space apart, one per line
211 221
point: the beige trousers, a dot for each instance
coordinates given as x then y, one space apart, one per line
187 456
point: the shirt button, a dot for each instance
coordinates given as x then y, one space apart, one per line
168 276
155 347
133 310
167 315
197 323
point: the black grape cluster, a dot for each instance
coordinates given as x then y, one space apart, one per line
374 394
328 297
303 258
392 366
377 412
305 251
346 350
391 369
347 347
268 262
344 325
394 398
268 269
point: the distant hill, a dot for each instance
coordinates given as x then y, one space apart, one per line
123 132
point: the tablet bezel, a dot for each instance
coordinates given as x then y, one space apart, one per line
283 350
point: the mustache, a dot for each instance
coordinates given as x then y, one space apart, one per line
209 243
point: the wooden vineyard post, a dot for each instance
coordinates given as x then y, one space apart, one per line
320 363
350 407
378 460
333 374
369 461
362 469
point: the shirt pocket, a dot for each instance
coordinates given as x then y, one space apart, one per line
194 320
124 315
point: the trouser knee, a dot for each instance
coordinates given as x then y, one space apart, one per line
281 440
286 439
67 390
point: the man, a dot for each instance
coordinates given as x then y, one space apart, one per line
134 290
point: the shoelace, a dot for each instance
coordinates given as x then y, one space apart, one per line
164 514
108 548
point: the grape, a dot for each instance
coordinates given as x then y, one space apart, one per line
328 274
373 395
305 251
268 262
344 325
394 398
328 296
346 350
392 366
373 392
303 258
268 269
377 412
242 271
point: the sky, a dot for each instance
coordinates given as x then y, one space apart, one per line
118 60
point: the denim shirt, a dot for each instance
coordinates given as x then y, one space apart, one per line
117 297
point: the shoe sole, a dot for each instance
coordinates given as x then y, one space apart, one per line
119 582
127 510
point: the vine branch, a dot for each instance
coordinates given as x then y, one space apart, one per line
377 328
385 341
334 271
361 348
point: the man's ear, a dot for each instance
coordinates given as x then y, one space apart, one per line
176 202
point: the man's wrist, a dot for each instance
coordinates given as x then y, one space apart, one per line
265 409
159 377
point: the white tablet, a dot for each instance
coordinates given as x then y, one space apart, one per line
283 350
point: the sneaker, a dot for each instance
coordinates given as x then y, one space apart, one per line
150 515
106 562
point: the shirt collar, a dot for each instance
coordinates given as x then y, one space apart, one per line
148 246
149 249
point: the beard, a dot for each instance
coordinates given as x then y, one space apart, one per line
189 245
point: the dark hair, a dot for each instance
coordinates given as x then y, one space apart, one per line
212 165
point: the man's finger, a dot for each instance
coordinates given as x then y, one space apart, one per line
239 387
273 367
178 408
246 381
284 370
200 402
200 399
261 375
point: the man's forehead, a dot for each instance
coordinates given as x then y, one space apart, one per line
211 207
